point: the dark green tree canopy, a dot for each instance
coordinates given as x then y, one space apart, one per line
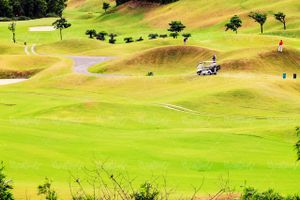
281 17
5 186
234 24
31 8
260 18
105 6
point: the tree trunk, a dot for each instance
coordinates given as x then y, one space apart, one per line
262 28
14 37
284 25
60 32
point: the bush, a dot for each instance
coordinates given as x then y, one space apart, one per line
51 15
46 190
5 186
163 36
150 74
101 35
147 192
140 39
128 39
186 35
152 36
251 193
112 39
22 18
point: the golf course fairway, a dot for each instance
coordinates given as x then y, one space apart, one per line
87 101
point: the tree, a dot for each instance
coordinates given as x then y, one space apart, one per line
186 35
112 39
61 24
260 18
297 145
281 17
152 36
5 186
140 39
128 39
105 6
234 24
163 36
91 32
101 35
46 190
5 8
175 28
12 28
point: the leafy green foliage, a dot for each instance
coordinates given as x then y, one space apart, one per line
105 6
297 145
128 39
147 191
91 33
101 35
281 17
46 190
12 28
140 39
234 24
61 24
260 18
175 28
31 8
163 36
112 39
186 35
251 193
153 36
5 186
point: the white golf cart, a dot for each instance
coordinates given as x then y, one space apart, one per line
207 68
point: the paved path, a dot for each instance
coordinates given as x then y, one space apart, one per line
11 81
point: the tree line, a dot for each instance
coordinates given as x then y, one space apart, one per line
31 8
235 22
119 2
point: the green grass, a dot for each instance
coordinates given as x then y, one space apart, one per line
59 122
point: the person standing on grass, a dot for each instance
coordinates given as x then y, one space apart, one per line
214 59
280 47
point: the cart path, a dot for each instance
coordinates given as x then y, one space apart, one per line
81 63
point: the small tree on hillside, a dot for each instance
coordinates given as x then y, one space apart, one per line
101 35
260 18
281 17
46 190
152 36
175 28
105 6
234 24
12 28
112 39
128 39
91 33
61 24
5 186
186 35
163 36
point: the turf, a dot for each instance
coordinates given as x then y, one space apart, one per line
242 123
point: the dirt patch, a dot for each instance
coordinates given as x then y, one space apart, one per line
11 74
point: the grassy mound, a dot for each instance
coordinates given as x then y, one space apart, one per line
24 66
162 60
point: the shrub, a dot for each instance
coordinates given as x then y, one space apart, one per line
186 35
174 35
128 39
163 36
146 192
91 33
112 39
140 39
152 36
46 190
5 186
101 35
150 74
